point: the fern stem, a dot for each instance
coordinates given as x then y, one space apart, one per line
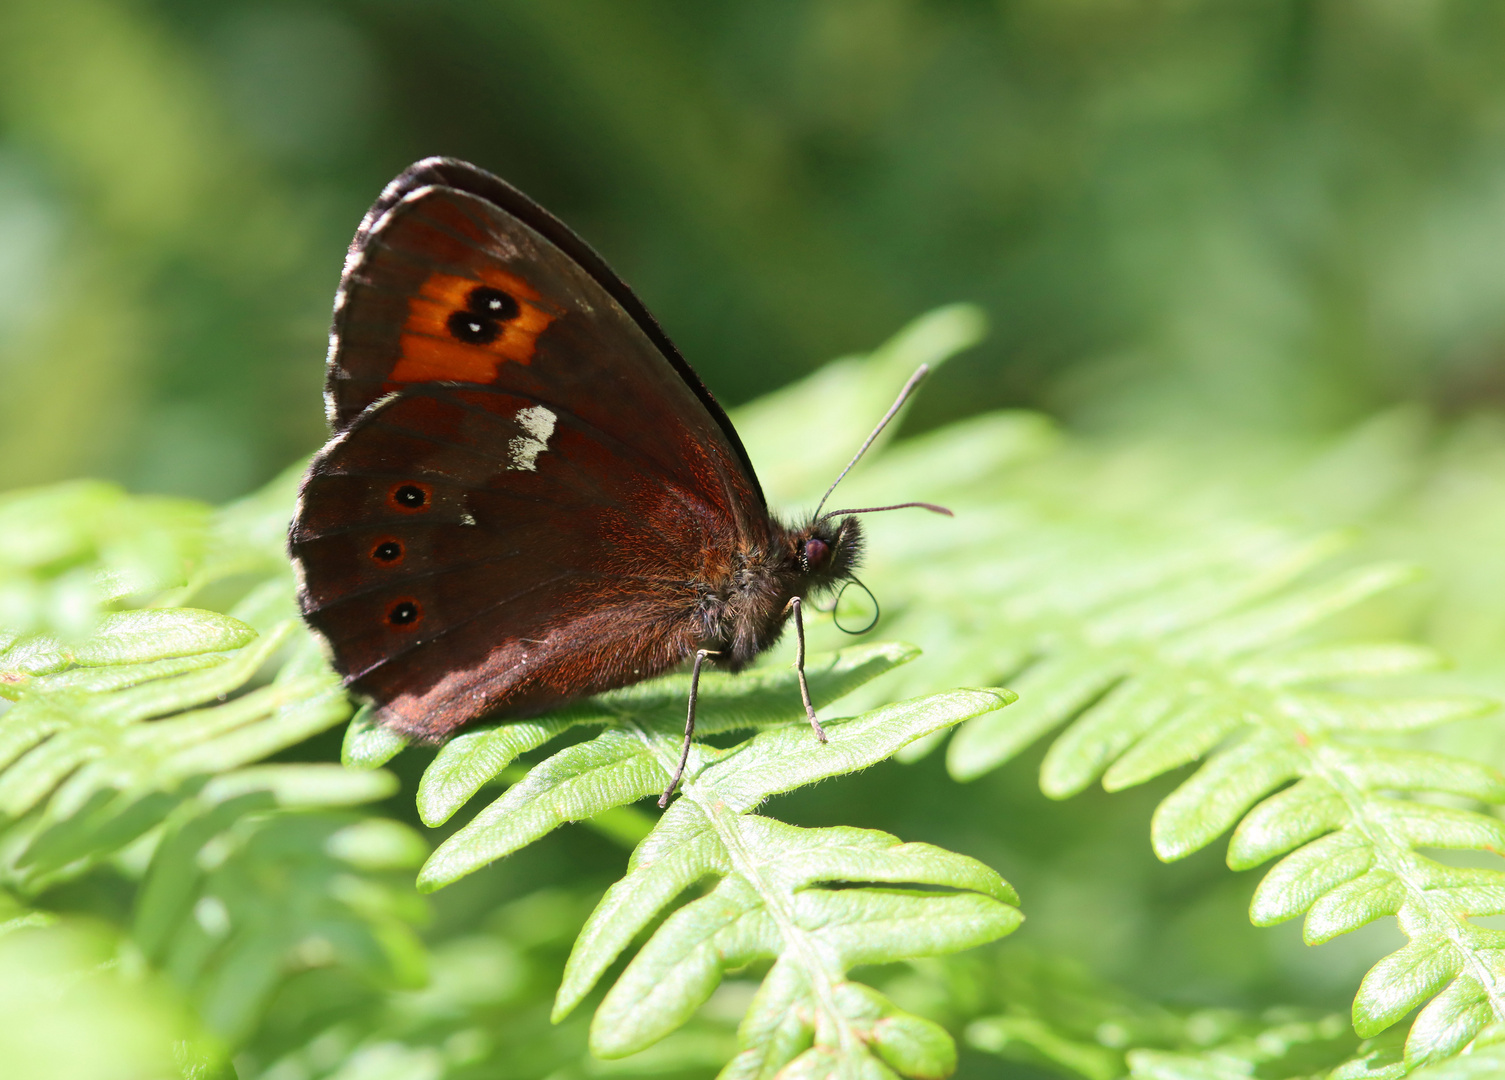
1400 861
775 902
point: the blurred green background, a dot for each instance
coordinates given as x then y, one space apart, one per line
1281 213
1277 218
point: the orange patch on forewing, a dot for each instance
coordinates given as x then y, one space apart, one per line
430 352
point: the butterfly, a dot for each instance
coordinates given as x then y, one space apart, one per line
529 496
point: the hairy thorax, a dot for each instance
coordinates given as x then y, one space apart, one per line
742 604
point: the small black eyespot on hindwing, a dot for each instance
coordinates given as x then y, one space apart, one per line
493 303
409 497
473 328
404 613
388 551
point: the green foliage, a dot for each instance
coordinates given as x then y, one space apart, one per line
103 737
79 1005
1050 1013
68 551
1156 658
169 747
1249 209
135 746
1487 1061
237 897
1182 218
766 903
1159 641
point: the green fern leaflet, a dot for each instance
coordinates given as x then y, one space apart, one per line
773 899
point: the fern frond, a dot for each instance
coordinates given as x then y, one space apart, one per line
767 903
245 539
70 551
1049 1012
801 436
108 731
1215 1045
1485 1063
1158 634
756 699
1148 633
103 733
238 896
150 727
1156 662
1274 1048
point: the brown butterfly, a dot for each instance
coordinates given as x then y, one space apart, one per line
529 496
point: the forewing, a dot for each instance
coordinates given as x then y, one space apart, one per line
578 334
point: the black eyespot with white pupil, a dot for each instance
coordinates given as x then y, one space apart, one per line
488 301
410 496
388 551
403 613
473 329
480 321
815 553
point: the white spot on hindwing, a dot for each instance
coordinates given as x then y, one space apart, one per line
523 451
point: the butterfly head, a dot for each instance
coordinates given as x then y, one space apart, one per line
828 550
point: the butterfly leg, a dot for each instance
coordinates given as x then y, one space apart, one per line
684 752
799 666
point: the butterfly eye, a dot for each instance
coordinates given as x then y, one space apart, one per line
388 551
409 497
404 613
815 552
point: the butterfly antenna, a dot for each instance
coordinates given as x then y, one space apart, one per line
909 388
932 507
